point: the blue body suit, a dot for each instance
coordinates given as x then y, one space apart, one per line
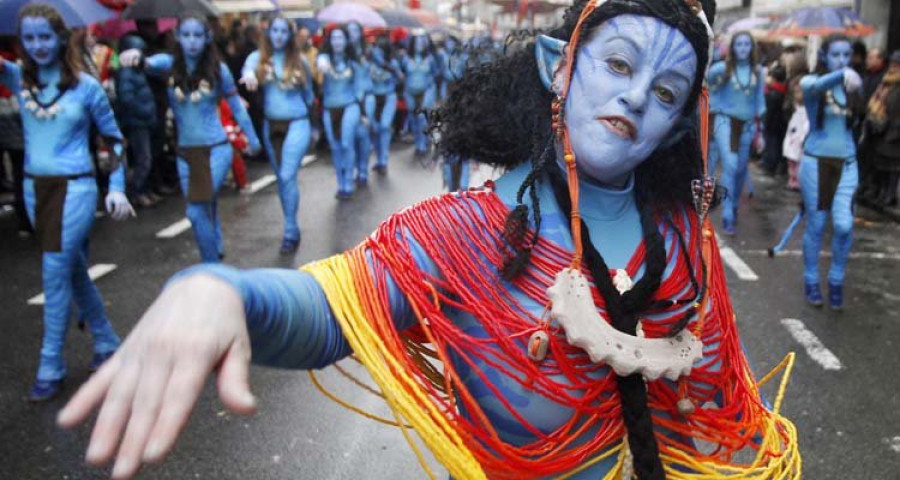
291 324
455 168
343 90
285 104
59 146
736 99
420 93
199 125
362 144
384 93
834 139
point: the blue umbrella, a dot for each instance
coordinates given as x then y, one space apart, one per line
76 13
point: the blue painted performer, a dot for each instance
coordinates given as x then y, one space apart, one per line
288 96
736 96
384 70
454 62
420 91
363 141
343 92
59 102
197 81
599 128
828 171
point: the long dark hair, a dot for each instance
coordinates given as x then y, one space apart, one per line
361 50
292 62
854 103
209 66
69 53
500 114
327 49
731 61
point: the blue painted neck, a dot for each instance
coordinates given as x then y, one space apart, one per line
50 74
605 201
191 64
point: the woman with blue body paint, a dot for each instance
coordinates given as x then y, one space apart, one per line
628 99
828 171
384 71
420 91
59 102
197 81
288 98
736 96
343 94
454 62
362 144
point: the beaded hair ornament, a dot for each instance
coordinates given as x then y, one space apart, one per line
570 296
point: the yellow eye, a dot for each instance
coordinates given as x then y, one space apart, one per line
665 95
619 66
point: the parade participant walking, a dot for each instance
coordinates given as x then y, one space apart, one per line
343 91
420 69
137 114
828 173
384 70
736 84
288 97
59 102
362 144
502 324
197 80
455 61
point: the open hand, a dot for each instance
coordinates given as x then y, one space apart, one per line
250 82
131 57
118 206
852 82
146 391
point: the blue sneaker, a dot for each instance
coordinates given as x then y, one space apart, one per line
98 359
728 228
813 295
44 390
835 296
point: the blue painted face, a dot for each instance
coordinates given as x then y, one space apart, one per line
338 41
450 44
378 55
354 32
632 79
419 44
838 55
192 37
743 47
279 34
39 40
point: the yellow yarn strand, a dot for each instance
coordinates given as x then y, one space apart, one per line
406 398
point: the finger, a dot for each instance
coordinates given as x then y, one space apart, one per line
144 411
234 380
181 395
89 395
113 415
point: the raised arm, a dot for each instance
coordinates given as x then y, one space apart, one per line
816 85
715 78
229 92
10 76
159 64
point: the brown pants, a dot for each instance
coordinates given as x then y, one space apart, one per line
200 183
830 171
50 199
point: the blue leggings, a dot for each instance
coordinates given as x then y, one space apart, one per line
734 164
203 215
343 152
65 279
463 181
384 128
418 121
292 150
841 220
363 142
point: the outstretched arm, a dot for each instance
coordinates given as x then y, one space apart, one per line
816 85
10 76
229 91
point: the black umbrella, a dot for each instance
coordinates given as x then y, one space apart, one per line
153 9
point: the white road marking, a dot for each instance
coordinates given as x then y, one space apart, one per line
262 183
893 443
174 229
825 253
741 269
816 350
307 160
94 272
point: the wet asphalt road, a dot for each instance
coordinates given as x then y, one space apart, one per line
846 412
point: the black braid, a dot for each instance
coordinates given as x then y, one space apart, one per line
622 311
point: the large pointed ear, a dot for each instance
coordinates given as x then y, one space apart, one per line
548 52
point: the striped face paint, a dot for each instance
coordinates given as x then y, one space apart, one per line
632 78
